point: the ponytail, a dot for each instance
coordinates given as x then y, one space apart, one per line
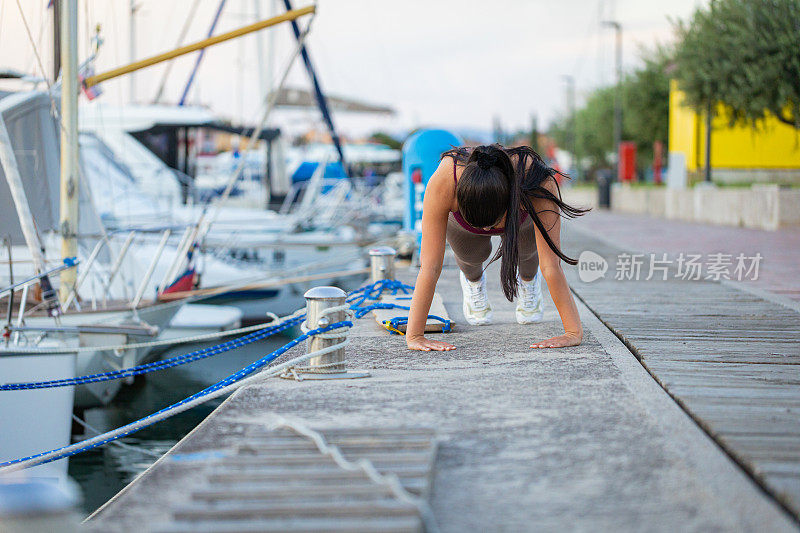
481 191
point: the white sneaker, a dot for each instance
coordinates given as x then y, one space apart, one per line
476 306
530 307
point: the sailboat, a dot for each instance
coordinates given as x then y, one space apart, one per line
78 322
99 308
48 340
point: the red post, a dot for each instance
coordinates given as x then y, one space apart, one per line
627 161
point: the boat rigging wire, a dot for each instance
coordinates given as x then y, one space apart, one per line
184 30
39 61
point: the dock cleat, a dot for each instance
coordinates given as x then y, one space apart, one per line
530 307
477 310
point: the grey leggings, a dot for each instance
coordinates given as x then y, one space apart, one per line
471 249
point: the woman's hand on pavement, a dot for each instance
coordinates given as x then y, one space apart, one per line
426 345
561 341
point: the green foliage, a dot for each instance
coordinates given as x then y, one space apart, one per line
384 138
645 106
744 54
534 135
645 114
593 125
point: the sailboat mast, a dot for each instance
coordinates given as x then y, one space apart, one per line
56 40
69 141
132 49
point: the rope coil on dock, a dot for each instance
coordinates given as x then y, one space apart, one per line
393 324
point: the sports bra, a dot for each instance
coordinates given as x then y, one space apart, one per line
472 229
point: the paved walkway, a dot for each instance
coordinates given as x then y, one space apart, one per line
574 439
779 270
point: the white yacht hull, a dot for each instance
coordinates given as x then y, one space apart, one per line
33 421
98 361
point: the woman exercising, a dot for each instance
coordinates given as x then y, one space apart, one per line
467 200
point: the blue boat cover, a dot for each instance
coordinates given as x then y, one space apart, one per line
307 168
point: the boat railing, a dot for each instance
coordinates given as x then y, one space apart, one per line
91 268
34 280
126 329
150 269
323 208
181 253
12 323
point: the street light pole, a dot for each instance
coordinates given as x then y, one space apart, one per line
618 92
573 138
709 116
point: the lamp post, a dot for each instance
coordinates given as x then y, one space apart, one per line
573 138
618 92
709 117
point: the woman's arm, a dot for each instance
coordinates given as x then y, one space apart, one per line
550 265
435 209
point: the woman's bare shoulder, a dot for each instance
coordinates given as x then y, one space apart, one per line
441 185
551 184
443 175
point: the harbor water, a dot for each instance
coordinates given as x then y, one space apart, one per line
104 471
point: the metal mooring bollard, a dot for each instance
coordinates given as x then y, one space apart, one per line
330 365
318 300
382 263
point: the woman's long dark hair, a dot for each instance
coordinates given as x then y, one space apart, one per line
491 186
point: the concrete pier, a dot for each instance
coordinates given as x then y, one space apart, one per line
547 440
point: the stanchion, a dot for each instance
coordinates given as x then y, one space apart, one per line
325 306
382 263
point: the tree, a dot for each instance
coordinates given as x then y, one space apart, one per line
534 134
593 127
744 55
645 102
384 138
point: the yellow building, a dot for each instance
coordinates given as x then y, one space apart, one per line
769 152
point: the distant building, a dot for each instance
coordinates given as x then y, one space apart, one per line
767 153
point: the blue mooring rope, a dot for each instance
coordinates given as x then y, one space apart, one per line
374 291
371 291
146 368
396 322
359 296
233 378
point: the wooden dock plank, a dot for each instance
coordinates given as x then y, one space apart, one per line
300 525
730 358
278 480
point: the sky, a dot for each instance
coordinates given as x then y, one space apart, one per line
452 63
